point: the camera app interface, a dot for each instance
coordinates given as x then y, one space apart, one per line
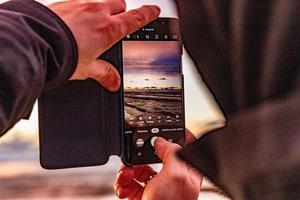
152 87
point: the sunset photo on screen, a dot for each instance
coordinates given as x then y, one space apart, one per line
152 83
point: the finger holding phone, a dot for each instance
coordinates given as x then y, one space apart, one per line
97 26
176 180
153 90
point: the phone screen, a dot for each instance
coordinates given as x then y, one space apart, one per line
152 92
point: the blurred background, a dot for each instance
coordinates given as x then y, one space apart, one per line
21 176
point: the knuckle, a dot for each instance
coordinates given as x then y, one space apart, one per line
119 28
123 4
101 27
108 29
113 26
123 30
92 6
138 16
151 10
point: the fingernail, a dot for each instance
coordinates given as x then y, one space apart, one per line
112 82
157 140
152 141
116 84
160 139
157 8
118 192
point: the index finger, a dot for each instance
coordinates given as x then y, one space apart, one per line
135 19
115 6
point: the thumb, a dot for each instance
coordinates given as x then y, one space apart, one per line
102 71
164 149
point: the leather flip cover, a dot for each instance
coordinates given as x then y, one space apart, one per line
80 122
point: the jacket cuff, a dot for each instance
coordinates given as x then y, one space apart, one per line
61 39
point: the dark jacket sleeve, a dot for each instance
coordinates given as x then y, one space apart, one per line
256 156
37 53
248 54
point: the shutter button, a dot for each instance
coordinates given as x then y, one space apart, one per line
140 142
152 141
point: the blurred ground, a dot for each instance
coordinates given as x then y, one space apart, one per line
27 180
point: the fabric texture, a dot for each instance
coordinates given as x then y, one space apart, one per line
38 53
248 53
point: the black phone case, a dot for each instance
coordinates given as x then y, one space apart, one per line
80 122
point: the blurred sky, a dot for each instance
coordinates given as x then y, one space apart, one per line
201 111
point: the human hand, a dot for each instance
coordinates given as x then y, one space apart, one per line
176 180
97 26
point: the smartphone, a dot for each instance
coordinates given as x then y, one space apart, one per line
152 90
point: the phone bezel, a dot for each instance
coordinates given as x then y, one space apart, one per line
127 142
